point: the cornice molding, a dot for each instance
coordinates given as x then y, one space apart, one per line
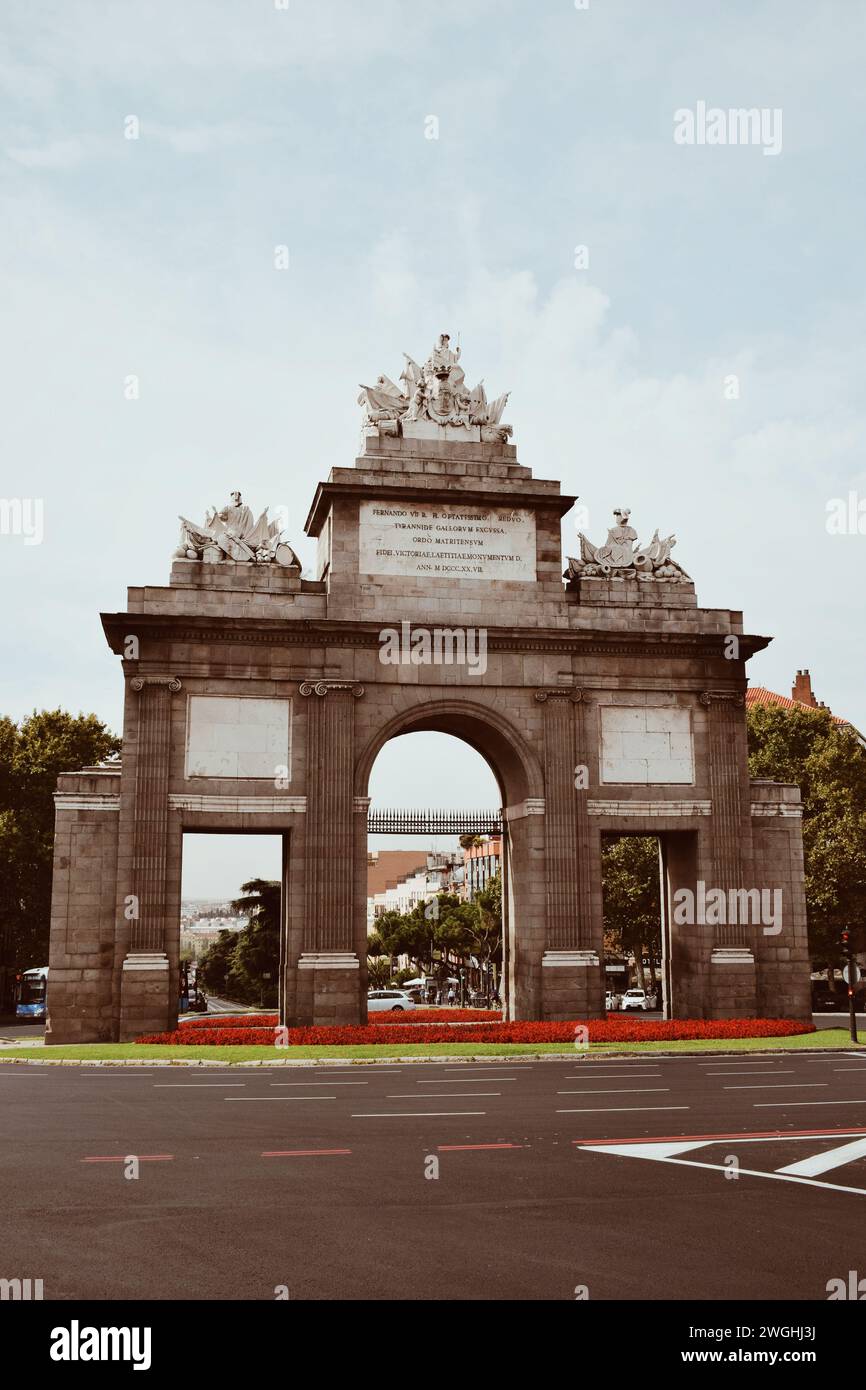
309 632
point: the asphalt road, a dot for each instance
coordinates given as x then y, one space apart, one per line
316 1179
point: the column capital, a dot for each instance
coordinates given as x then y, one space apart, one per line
733 697
562 692
173 683
324 687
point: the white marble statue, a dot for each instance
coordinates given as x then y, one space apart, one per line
230 533
434 394
622 558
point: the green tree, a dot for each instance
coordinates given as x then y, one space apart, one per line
486 930
828 763
631 899
378 971
257 950
411 934
216 961
32 755
378 962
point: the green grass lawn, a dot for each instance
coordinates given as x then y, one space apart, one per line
153 1052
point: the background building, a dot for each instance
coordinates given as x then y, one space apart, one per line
481 863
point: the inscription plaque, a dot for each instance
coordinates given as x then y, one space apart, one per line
449 541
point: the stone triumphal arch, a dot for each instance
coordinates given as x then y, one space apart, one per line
605 700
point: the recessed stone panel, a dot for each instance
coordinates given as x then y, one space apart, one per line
649 746
243 737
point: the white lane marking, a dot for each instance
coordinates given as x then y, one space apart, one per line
850 1068
444 1095
592 1074
330 1074
758 1062
318 1083
784 1104
297 1098
410 1114
830 1158
619 1091
449 1080
718 1168
193 1085
615 1109
782 1086
649 1150
757 1071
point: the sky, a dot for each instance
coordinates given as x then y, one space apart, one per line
700 361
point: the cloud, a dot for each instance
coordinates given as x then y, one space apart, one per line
57 154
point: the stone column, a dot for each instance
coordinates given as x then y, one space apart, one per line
572 972
733 981
330 993
145 1005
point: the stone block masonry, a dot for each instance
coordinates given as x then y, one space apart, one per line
258 700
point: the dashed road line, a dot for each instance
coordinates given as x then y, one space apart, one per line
411 1114
304 1153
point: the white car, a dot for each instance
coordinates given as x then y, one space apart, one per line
388 1001
634 999
609 1000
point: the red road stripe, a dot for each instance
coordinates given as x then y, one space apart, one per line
757 1134
302 1153
123 1158
459 1148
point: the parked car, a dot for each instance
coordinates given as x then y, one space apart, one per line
827 1000
388 1001
634 999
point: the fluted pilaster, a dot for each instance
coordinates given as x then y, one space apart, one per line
151 810
567 828
724 719
329 820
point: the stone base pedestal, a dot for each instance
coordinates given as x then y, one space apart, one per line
328 985
145 1003
572 986
733 983
79 1006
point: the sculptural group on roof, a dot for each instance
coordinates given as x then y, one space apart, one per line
435 392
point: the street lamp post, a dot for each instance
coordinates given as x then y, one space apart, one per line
852 974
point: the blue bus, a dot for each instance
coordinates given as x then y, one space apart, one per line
31 992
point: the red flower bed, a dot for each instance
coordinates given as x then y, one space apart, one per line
600 1030
229 1021
441 1016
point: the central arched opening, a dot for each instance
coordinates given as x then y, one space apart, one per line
435 851
489 759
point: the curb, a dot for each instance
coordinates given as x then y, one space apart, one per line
498 1059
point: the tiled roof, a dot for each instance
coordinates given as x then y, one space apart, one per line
760 695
